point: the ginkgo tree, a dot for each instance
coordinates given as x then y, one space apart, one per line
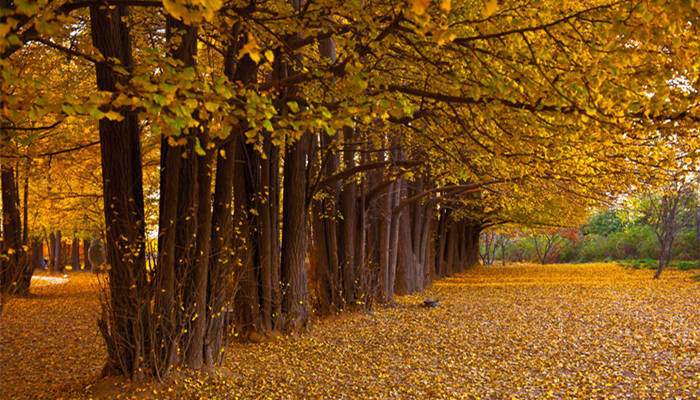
375 141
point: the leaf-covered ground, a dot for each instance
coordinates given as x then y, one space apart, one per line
522 332
49 342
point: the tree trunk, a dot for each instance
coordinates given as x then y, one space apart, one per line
123 323
86 259
245 238
473 233
75 254
504 259
394 238
58 253
452 243
37 254
52 252
267 201
385 206
195 349
15 270
325 215
220 285
406 259
295 304
662 261
65 254
165 297
294 235
25 213
348 210
223 278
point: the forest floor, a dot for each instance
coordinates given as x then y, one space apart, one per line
591 331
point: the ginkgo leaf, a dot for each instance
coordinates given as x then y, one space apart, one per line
251 48
198 148
293 106
419 6
210 106
446 5
114 115
490 8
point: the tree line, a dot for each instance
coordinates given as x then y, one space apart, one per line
325 156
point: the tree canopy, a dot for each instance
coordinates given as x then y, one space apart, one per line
375 138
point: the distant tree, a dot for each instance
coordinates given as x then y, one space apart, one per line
75 254
491 242
506 240
547 243
604 223
86 259
489 245
667 212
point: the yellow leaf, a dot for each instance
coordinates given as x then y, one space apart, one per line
4 29
490 8
446 5
251 48
419 6
211 107
113 115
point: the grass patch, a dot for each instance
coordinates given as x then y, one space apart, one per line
649 263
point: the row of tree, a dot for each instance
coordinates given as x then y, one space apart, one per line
326 154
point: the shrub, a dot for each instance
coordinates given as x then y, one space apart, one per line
686 265
685 246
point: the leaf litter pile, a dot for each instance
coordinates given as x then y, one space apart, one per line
517 332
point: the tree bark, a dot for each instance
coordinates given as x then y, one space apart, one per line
25 213
245 243
348 210
325 215
267 201
86 259
294 235
75 254
195 349
15 270
52 252
387 286
220 283
224 276
37 254
165 281
58 253
123 320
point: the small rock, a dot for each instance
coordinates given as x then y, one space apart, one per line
430 303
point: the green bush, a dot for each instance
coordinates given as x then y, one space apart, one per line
640 263
636 247
604 223
685 247
686 265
